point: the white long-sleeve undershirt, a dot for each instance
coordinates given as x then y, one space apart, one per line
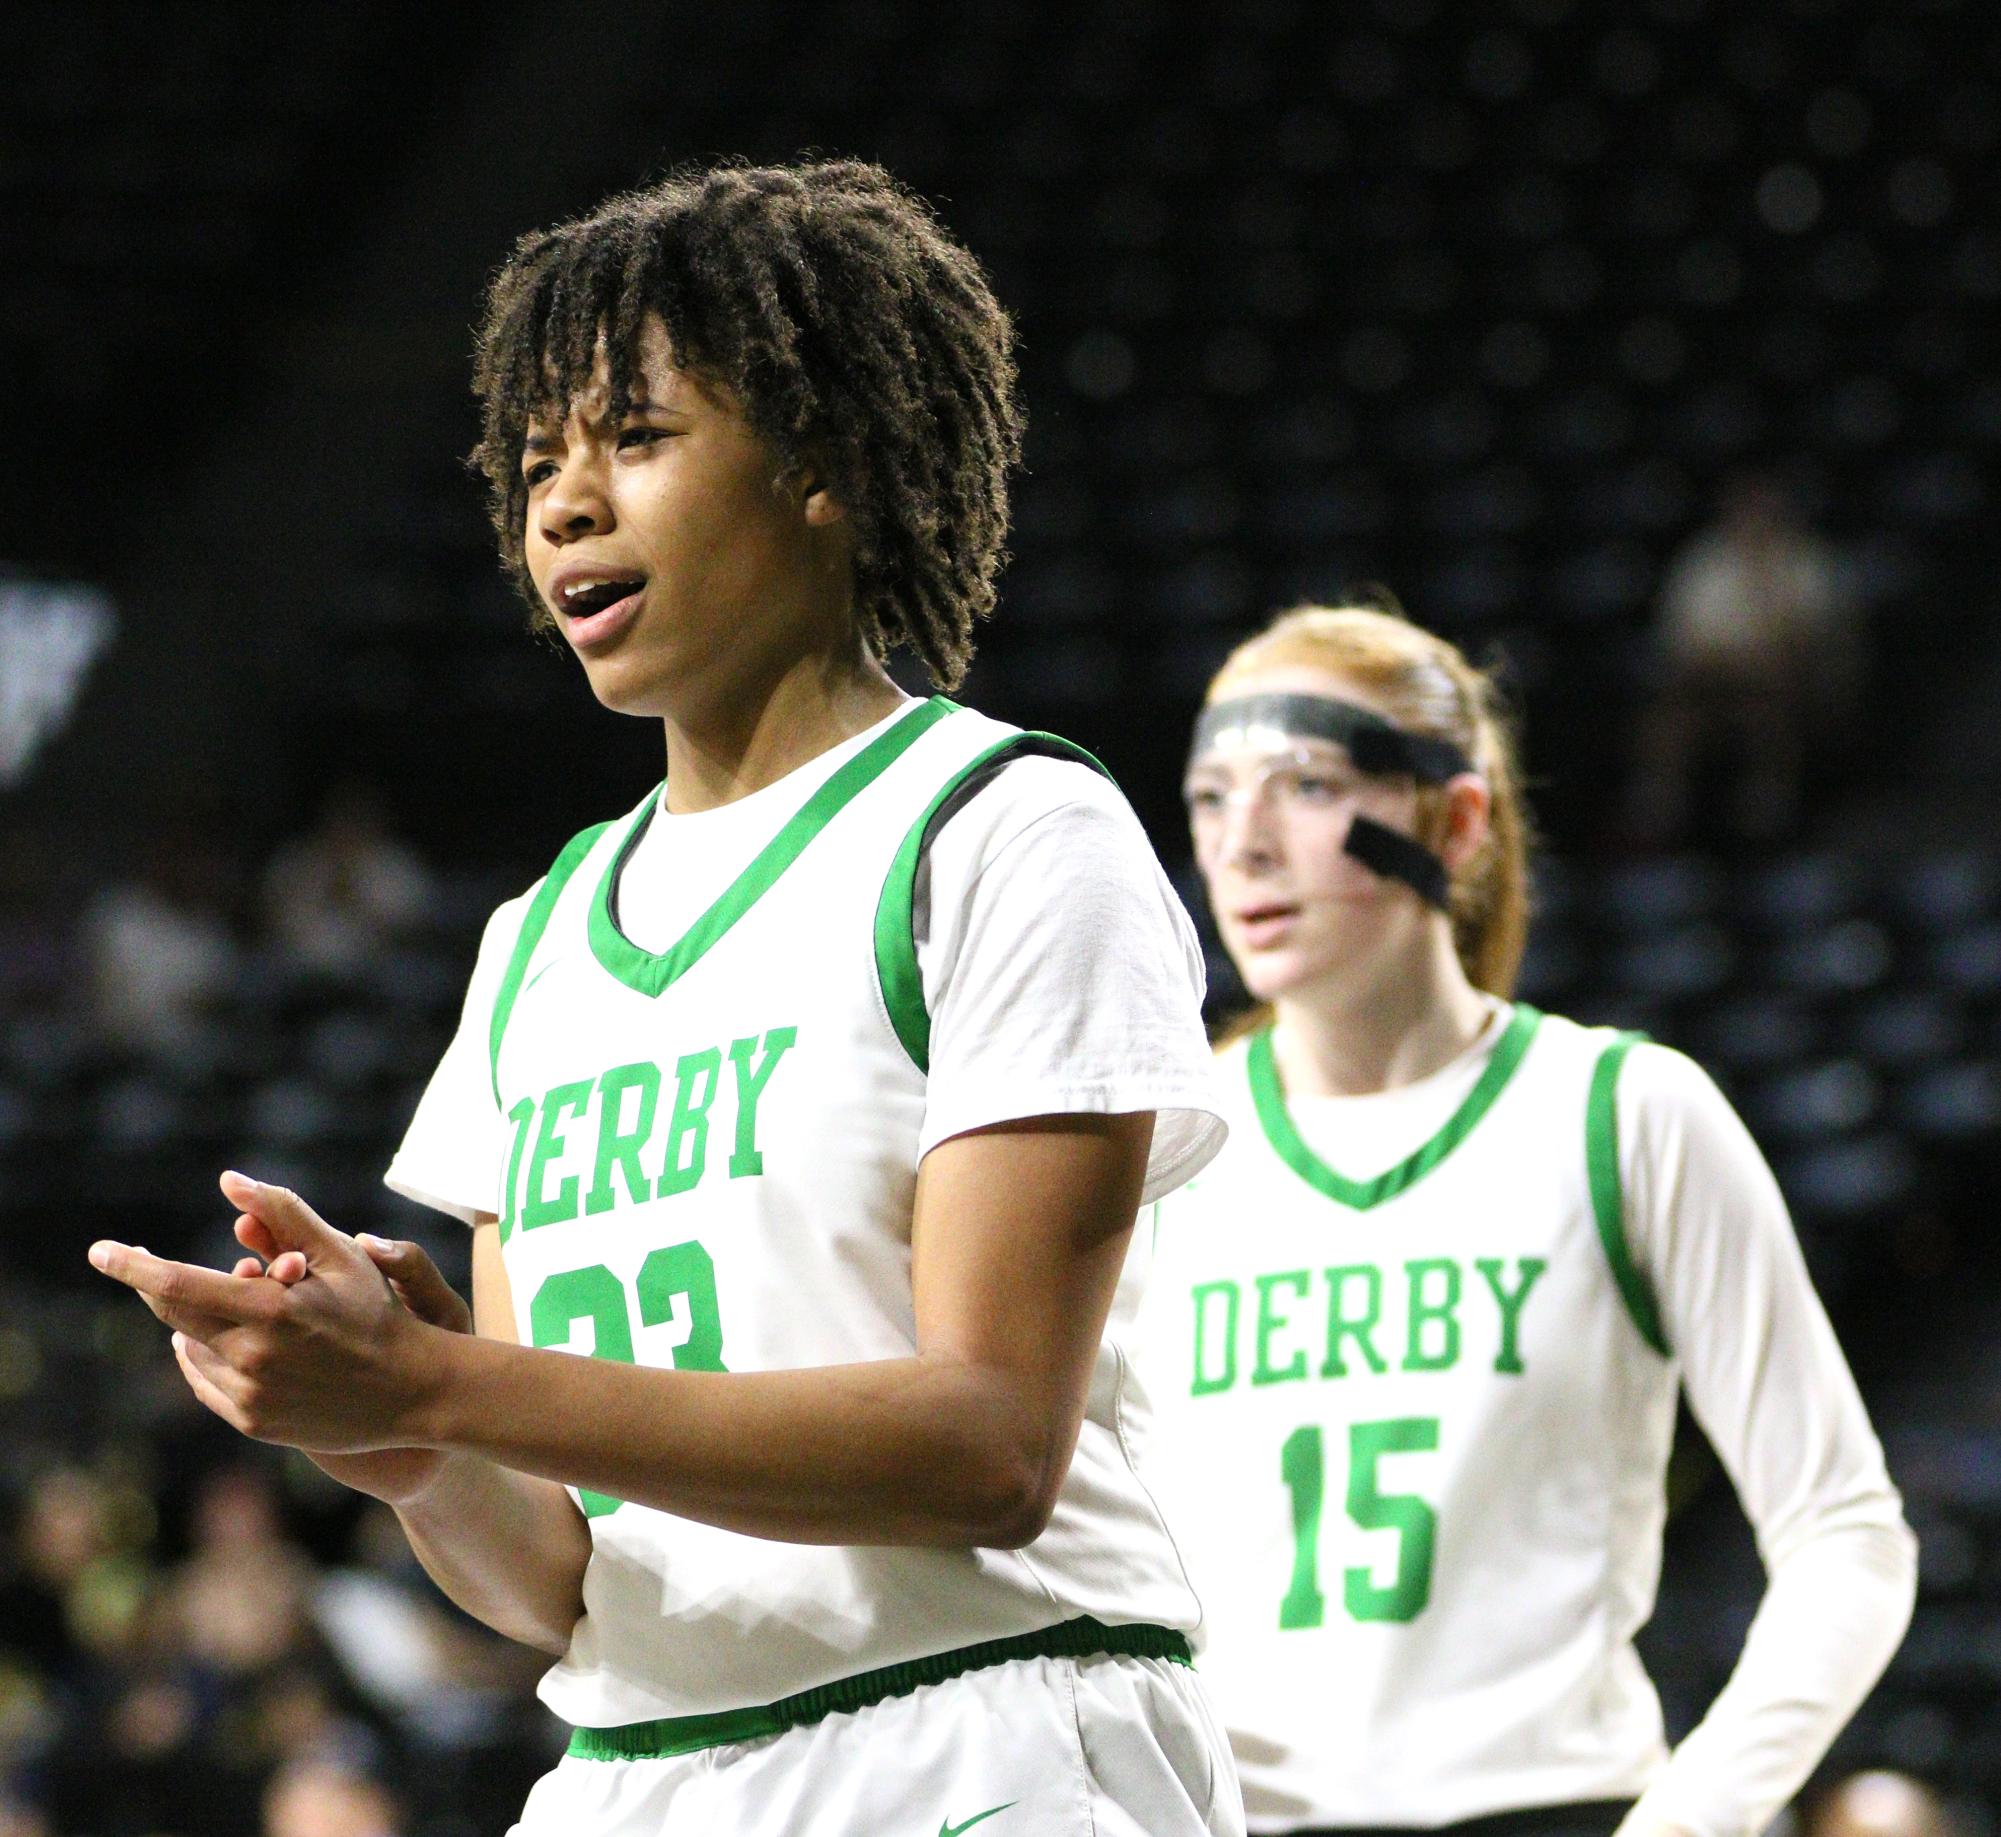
1766 1379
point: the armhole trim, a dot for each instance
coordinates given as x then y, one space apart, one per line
1608 1200
896 968
534 922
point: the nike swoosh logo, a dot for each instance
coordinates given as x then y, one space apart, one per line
953 1830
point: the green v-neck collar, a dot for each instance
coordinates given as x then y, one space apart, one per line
649 972
1268 1094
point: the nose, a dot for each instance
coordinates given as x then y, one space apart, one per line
1248 839
576 503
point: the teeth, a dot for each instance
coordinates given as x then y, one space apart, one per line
597 593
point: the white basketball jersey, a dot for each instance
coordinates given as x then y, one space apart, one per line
1412 1432
712 1166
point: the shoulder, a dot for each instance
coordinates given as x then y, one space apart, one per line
1674 1124
504 922
1042 802
508 921
1661 1086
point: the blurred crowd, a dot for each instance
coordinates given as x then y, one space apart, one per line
200 1637
228 1650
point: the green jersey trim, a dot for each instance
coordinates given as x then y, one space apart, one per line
895 940
533 924
671 1735
1268 1094
649 972
1608 1201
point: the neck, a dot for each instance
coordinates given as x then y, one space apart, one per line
1414 1014
727 745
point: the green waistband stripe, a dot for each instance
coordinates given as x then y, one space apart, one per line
671 1735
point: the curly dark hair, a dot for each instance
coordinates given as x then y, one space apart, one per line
846 322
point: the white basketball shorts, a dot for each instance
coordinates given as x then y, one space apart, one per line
1101 1745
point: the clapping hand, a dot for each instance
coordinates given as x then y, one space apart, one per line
316 1339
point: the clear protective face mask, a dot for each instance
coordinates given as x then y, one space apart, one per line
1290 755
1284 782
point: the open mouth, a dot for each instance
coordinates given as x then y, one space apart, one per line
1259 926
597 596
599 609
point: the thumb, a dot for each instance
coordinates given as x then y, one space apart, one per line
292 1224
418 1282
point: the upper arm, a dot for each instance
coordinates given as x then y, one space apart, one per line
1060 972
1764 1372
492 1298
1019 1237
452 1152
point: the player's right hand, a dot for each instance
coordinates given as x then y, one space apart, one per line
397 1476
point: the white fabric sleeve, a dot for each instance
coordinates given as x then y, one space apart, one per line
1060 969
1767 1381
452 1152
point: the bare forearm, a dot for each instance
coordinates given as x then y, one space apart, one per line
508 1547
918 1450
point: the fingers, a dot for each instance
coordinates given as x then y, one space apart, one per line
193 1359
286 1266
418 1282
255 1236
184 1293
289 1221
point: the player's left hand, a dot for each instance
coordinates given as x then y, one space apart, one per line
329 1360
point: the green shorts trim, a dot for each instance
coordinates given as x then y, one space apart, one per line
670 1735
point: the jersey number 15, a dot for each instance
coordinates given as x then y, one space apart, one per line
1303 1467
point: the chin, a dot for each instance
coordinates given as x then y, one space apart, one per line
1266 977
622 688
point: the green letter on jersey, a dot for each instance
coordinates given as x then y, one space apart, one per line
1271 1322
677 1272
1415 1523
1303 1468
1445 1311
520 1116
685 1273
688 1127
1509 1358
1205 1292
591 1294
620 1147
1343 1325
537 1211
745 1158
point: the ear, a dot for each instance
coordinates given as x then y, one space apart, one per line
1467 804
818 502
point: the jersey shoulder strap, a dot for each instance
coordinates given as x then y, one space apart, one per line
1608 1201
533 923
895 940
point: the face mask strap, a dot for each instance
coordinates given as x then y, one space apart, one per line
1377 746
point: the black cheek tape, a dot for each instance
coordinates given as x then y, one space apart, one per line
1395 856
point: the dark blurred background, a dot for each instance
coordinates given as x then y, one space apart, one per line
1637 346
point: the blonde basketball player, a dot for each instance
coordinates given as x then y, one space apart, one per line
1420 1328
814 1098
